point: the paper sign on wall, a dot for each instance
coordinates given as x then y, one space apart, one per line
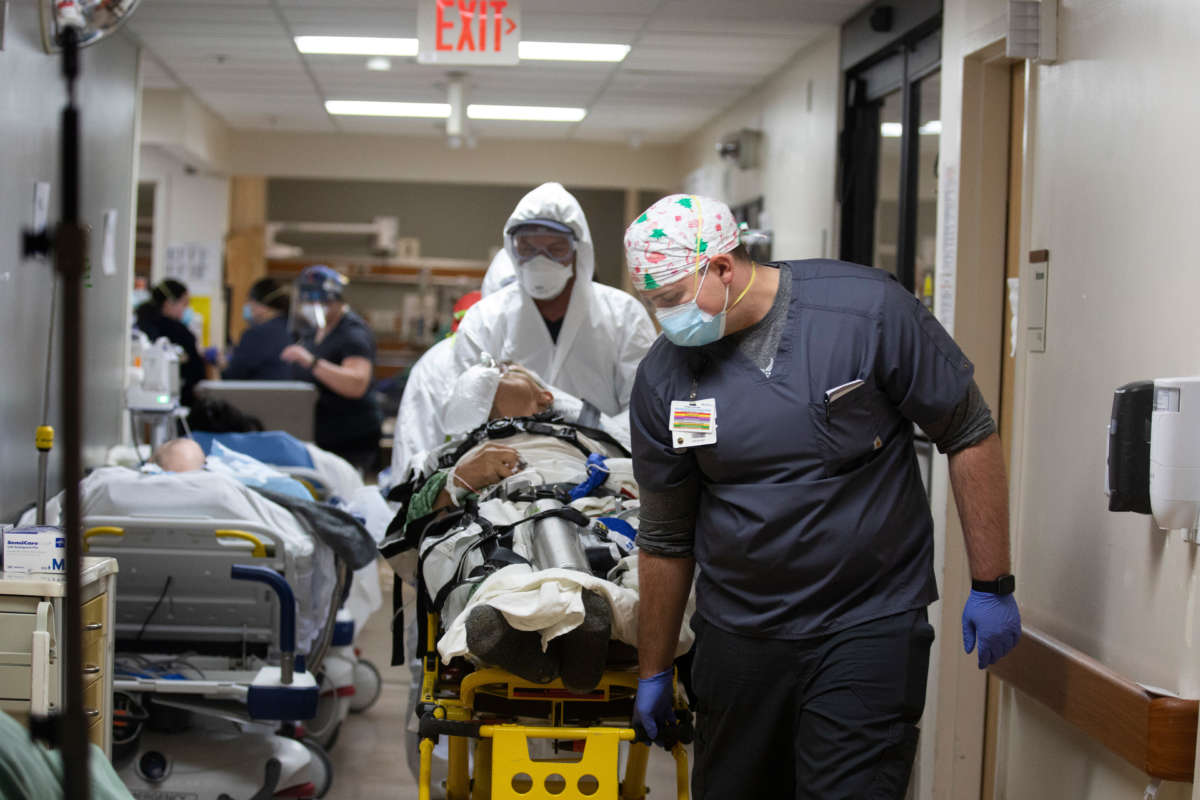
196 264
469 32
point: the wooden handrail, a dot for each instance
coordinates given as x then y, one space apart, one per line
1155 734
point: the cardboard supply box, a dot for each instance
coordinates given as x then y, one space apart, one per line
38 550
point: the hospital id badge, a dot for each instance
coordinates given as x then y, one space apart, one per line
693 423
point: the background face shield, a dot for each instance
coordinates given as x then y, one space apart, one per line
307 317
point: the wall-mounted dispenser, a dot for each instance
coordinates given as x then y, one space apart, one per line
1128 477
1175 453
1154 452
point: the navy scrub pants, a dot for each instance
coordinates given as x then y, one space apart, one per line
815 719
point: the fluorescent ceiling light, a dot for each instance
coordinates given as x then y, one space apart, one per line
357 45
931 128
526 113
379 63
571 51
891 130
393 46
377 108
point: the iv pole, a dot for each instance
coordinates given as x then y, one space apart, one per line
69 244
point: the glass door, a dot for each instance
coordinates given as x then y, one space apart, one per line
889 162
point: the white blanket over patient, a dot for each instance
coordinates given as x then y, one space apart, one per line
121 492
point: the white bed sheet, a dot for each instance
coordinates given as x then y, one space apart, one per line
121 492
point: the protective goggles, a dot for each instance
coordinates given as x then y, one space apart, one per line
526 246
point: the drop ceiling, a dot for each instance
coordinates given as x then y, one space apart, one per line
690 59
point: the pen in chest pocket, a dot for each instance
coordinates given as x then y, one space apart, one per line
838 392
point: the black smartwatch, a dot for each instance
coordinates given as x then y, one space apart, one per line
1005 584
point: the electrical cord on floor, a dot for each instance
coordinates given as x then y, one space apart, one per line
157 603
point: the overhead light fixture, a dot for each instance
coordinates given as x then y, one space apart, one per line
382 108
379 63
891 130
396 46
526 113
379 108
356 45
931 128
571 51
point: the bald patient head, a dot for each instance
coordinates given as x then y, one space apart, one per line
180 455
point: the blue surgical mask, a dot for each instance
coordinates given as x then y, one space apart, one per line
688 325
248 313
188 316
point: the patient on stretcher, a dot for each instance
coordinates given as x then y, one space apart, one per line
505 523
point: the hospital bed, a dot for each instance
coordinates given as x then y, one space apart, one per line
193 638
508 736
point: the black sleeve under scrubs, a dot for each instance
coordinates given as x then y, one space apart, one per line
812 515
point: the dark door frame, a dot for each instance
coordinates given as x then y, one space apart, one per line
900 64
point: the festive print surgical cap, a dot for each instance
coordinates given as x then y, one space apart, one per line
677 236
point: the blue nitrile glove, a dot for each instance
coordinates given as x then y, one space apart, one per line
995 620
653 708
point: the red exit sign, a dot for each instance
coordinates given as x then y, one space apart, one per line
469 32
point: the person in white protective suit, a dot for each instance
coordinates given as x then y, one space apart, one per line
580 336
418 422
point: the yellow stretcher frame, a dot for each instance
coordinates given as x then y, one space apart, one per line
504 770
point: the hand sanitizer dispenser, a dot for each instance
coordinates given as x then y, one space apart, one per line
1175 453
1128 477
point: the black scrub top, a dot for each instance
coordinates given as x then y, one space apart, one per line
343 420
810 519
256 356
150 320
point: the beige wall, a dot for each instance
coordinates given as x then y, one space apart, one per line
493 161
1110 191
799 155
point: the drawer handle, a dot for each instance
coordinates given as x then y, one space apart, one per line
91 712
94 626
91 669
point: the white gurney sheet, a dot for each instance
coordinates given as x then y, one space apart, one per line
549 601
122 492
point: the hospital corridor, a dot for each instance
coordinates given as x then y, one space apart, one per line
599 400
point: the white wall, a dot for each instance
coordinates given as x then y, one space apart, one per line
1111 172
799 155
31 96
190 208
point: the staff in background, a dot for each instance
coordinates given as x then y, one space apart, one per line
336 352
167 314
257 354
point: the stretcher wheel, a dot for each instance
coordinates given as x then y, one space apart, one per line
322 766
368 684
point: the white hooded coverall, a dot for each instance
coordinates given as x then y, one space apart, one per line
604 335
430 381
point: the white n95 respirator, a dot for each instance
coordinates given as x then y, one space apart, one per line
543 278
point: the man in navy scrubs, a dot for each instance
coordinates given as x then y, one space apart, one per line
773 446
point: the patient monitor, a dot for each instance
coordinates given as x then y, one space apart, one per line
1154 452
152 396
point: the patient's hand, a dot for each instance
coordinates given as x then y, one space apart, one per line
489 464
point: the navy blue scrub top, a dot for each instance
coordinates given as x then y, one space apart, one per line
342 420
810 520
256 356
